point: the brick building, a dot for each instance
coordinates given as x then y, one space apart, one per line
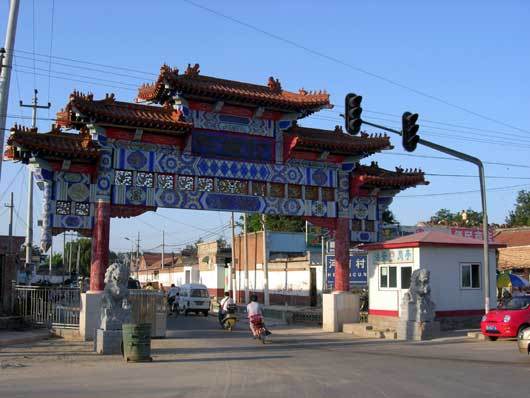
516 256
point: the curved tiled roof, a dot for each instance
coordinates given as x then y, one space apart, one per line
193 84
108 111
55 143
375 176
336 141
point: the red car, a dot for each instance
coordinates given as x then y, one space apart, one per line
512 316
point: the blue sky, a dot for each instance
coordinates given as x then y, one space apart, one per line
471 54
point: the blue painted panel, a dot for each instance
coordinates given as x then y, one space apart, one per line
215 144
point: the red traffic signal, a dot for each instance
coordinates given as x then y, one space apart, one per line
410 131
352 114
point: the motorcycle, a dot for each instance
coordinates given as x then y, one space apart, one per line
259 326
173 305
230 319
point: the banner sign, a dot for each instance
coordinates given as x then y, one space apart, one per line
358 270
393 256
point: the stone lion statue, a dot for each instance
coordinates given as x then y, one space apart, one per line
416 304
115 309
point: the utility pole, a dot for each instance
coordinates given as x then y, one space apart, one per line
5 70
70 261
11 207
29 216
324 265
163 249
64 255
245 251
266 298
137 254
50 261
78 257
233 262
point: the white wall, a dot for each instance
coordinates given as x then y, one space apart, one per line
297 283
444 266
387 299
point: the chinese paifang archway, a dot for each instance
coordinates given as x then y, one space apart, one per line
197 142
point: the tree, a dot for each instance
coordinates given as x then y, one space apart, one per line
273 222
57 260
85 251
520 216
466 218
389 218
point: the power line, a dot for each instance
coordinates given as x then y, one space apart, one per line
475 176
454 159
84 68
11 182
51 50
76 75
525 136
517 143
182 223
33 33
504 188
82 81
91 63
350 66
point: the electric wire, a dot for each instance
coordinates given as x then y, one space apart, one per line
33 34
351 66
323 117
496 189
51 52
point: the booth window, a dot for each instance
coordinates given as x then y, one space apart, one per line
406 274
470 276
388 277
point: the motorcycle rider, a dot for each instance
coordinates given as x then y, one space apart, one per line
172 296
254 310
223 307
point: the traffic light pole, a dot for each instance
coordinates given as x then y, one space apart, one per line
478 163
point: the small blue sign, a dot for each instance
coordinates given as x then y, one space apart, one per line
358 270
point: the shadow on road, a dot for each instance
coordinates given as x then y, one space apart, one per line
222 359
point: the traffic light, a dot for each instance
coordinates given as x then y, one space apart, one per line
410 131
352 115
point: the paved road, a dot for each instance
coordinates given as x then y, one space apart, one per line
199 360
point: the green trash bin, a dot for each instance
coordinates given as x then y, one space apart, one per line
137 342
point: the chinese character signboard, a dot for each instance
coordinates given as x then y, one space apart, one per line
358 270
393 256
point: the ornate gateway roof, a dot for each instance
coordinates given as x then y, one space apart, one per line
374 176
82 108
53 144
192 84
335 141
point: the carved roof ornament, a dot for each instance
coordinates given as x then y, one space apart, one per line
23 129
110 98
338 129
274 85
78 94
302 91
192 70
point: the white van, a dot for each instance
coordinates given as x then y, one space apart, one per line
194 297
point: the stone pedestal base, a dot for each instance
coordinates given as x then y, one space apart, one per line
413 330
339 308
108 342
89 317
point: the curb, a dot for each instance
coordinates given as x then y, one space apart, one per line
6 342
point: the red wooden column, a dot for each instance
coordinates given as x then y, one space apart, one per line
342 255
100 246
